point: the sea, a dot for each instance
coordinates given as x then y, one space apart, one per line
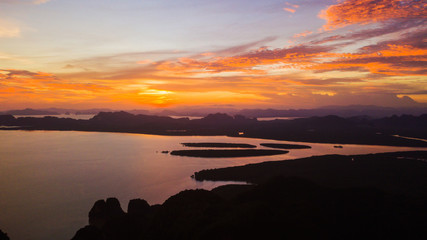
49 180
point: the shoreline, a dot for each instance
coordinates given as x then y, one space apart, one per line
327 169
213 135
328 129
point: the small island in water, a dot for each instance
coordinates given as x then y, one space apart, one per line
227 153
219 145
284 146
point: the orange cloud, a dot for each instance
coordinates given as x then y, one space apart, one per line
250 63
368 11
207 54
392 59
27 88
328 67
292 5
165 98
44 88
289 10
145 61
303 34
398 60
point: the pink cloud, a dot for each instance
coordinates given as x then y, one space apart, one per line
145 61
289 10
303 34
292 5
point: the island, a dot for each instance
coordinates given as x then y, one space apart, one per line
228 153
284 146
219 145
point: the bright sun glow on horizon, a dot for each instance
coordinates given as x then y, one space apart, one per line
245 54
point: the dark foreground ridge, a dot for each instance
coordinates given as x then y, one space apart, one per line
3 236
284 207
284 146
375 196
219 145
328 129
212 153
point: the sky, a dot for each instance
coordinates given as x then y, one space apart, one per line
140 54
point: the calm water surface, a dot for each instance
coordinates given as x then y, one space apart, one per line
49 180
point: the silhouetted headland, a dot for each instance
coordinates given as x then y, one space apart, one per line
399 172
296 201
284 146
227 153
219 145
329 129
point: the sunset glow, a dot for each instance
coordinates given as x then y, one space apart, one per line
281 54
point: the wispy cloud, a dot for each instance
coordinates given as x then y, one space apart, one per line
291 7
246 62
303 34
242 48
289 10
40 1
